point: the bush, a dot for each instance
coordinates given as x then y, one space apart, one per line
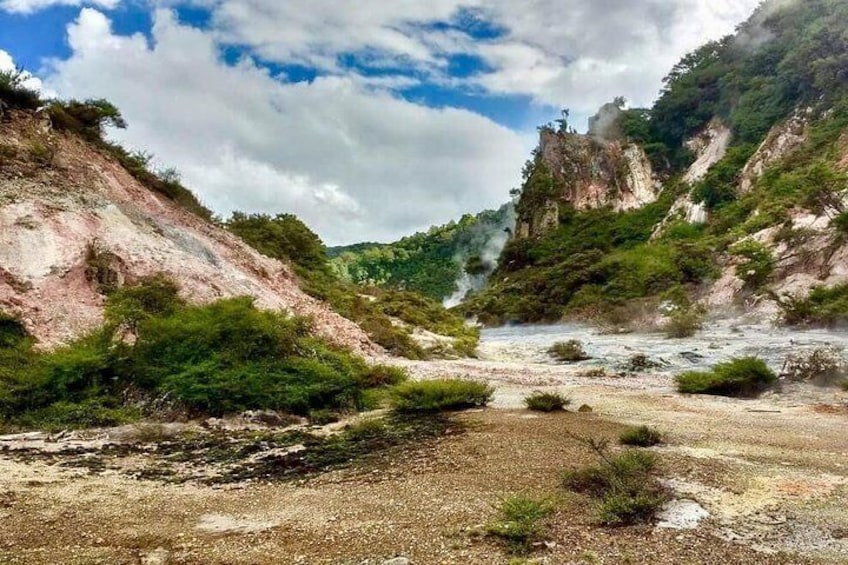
623 484
383 376
757 263
824 306
641 436
440 394
744 377
568 352
87 119
684 322
546 402
520 521
14 94
824 366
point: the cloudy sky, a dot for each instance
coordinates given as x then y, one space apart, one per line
369 119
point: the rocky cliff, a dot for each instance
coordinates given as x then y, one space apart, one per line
584 172
73 222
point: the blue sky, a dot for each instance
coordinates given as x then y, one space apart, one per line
369 119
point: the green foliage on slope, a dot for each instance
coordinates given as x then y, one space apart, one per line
215 359
429 263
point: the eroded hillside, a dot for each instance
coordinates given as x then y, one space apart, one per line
74 222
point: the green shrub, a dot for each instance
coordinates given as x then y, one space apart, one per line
684 322
440 394
745 377
156 295
14 94
12 331
757 263
520 521
383 376
641 436
568 351
844 386
623 484
824 306
88 119
546 402
840 223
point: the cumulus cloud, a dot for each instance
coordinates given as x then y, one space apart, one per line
577 53
354 161
7 63
30 6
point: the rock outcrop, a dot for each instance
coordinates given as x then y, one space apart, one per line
72 221
588 172
781 141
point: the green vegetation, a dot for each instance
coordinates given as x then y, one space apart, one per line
684 322
606 266
822 307
428 263
641 436
286 238
14 94
224 357
520 521
745 377
547 402
570 351
623 485
440 394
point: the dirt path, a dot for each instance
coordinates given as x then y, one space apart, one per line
772 473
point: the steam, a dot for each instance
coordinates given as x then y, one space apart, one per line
603 126
491 240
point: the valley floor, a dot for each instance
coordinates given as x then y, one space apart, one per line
772 473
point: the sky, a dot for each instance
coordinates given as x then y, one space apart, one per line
369 120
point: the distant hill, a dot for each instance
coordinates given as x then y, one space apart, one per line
432 263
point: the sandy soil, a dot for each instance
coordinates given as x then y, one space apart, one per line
772 473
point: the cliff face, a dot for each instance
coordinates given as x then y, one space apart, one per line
585 172
72 220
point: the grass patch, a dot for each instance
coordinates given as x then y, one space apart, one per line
440 394
623 485
568 351
824 306
745 377
641 436
546 402
520 521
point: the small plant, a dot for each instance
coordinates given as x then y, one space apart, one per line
746 377
641 436
844 385
383 376
824 306
323 417
757 263
520 521
42 154
640 363
440 394
546 402
684 322
568 351
624 485
822 366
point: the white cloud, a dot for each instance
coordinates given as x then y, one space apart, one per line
7 63
353 161
30 6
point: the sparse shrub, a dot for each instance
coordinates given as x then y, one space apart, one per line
323 417
41 153
594 373
546 402
684 322
130 305
757 263
640 363
744 377
383 376
102 269
14 94
824 306
624 485
641 436
844 385
840 223
89 118
366 429
568 351
520 521
824 366
440 394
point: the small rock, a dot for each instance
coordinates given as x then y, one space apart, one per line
158 556
398 561
585 409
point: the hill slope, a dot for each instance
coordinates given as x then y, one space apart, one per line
730 190
74 222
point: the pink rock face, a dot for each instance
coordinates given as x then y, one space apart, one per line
51 217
